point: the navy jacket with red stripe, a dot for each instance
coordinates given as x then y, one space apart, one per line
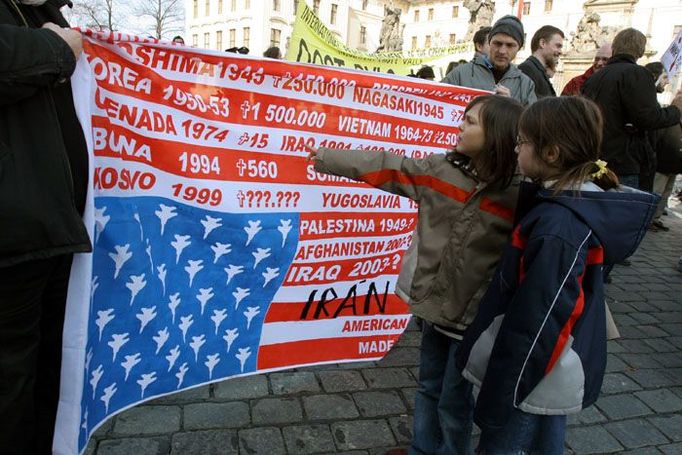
538 343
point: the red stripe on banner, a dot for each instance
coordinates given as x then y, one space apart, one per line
497 209
392 175
324 350
325 225
342 270
361 305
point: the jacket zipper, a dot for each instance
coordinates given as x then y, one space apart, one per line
19 12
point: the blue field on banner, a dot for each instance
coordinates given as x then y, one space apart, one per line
179 297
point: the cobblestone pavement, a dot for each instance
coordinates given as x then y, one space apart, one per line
365 408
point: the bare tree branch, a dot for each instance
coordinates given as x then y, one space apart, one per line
98 14
166 16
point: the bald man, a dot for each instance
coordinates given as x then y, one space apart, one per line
602 56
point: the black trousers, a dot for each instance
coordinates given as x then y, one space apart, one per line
32 302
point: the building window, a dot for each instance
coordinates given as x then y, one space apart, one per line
363 34
196 8
233 37
207 8
430 14
427 41
275 5
247 4
247 36
275 37
548 6
414 42
453 38
455 12
364 5
332 17
316 6
295 6
220 6
207 40
233 5
195 40
416 15
526 8
219 40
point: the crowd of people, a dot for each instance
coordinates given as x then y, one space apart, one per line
518 228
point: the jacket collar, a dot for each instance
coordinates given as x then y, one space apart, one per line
622 58
482 60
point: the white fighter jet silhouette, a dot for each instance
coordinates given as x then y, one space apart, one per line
233 270
94 284
210 224
269 275
95 376
139 223
204 296
162 276
121 256
242 355
251 231
181 374
160 339
146 316
260 254
117 341
165 214
145 380
172 356
230 336
185 323
88 358
135 285
173 304
220 249
218 317
239 295
103 318
106 396
284 228
130 362
250 313
196 344
101 221
181 242
193 267
211 361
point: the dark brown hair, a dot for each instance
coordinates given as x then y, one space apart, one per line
499 116
573 125
629 41
481 36
546 32
272 52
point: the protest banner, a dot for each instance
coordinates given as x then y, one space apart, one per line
672 58
312 42
218 250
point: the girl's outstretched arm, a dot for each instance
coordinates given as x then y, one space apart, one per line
384 170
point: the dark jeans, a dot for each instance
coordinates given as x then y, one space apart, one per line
443 404
32 301
526 434
631 180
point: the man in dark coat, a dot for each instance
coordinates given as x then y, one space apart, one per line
546 47
43 183
626 94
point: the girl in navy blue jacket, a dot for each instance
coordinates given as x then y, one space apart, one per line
537 348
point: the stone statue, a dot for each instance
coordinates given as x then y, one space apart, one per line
391 35
590 35
481 15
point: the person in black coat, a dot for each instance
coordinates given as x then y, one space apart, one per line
43 184
546 47
626 94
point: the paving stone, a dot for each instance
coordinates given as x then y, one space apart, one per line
586 417
356 365
643 451
671 426
388 377
213 442
665 305
624 319
328 407
408 396
288 383
595 439
677 341
413 338
379 403
638 361
671 449
644 318
241 388
671 316
308 439
341 381
362 434
635 433
148 420
128 446
622 406
661 400
402 428
261 441
636 346
194 395
652 331
204 416
614 364
669 359
104 429
612 347
675 375
276 410
618 383
672 329
406 356
650 378
414 371
91 448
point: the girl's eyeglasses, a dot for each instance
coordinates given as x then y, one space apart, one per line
520 142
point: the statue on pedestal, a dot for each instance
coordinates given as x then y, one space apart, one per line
481 15
391 35
590 35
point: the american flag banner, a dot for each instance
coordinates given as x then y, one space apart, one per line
218 250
